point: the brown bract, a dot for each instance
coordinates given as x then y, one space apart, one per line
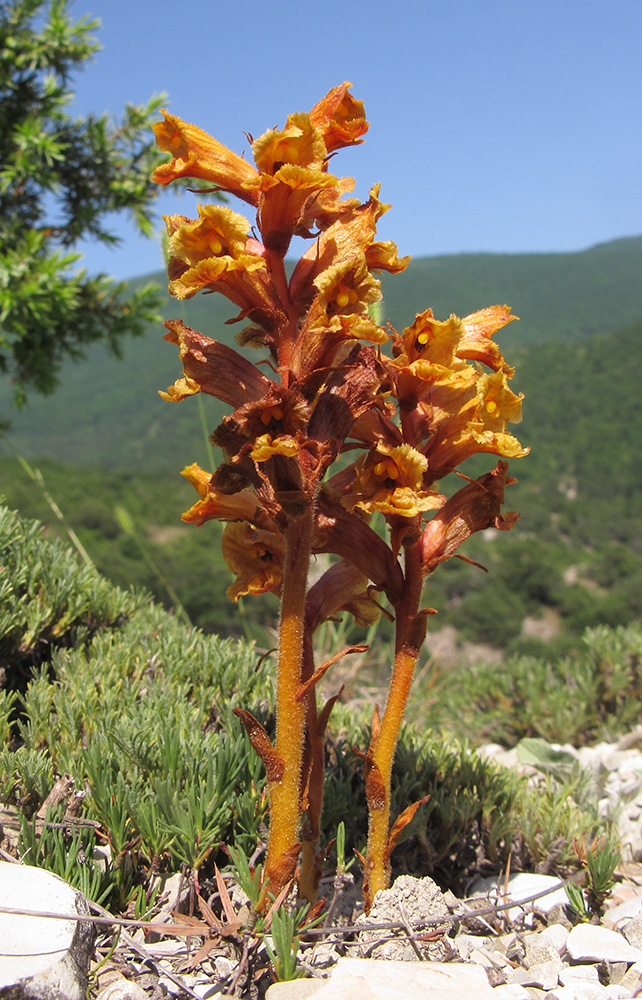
473 508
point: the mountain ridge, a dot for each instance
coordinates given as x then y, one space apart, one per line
107 411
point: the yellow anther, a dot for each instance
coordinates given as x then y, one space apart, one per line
352 296
491 405
215 244
176 140
271 413
387 469
343 299
423 338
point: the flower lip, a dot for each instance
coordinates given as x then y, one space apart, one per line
197 154
339 118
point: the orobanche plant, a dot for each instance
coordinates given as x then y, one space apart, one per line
340 420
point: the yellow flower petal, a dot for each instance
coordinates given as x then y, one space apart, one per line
240 506
298 143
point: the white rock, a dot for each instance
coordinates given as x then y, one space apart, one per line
488 958
204 990
296 989
543 976
122 989
592 943
622 912
576 973
467 943
633 931
541 948
520 887
42 956
580 991
373 979
511 991
557 934
224 966
632 979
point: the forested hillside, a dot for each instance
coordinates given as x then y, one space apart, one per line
107 412
110 451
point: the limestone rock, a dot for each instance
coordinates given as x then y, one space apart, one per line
585 991
592 943
633 931
544 975
296 989
632 979
521 887
122 989
576 973
42 957
370 979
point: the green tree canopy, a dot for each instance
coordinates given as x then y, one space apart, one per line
60 179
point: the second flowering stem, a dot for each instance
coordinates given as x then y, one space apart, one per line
410 633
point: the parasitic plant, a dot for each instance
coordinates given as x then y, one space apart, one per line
341 419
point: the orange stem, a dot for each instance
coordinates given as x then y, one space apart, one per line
377 859
290 727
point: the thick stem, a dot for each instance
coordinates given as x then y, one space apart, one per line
383 752
290 713
310 872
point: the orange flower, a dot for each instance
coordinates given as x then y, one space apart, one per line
454 405
451 343
255 556
213 253
217 232
344 290
471 420
298 144
350 236
197 154
214 505
391 482
339 118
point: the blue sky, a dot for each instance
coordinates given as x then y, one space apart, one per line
496 125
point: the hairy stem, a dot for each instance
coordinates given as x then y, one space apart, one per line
310 871
290 727
383 751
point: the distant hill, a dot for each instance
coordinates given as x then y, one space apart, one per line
558 297
107 411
